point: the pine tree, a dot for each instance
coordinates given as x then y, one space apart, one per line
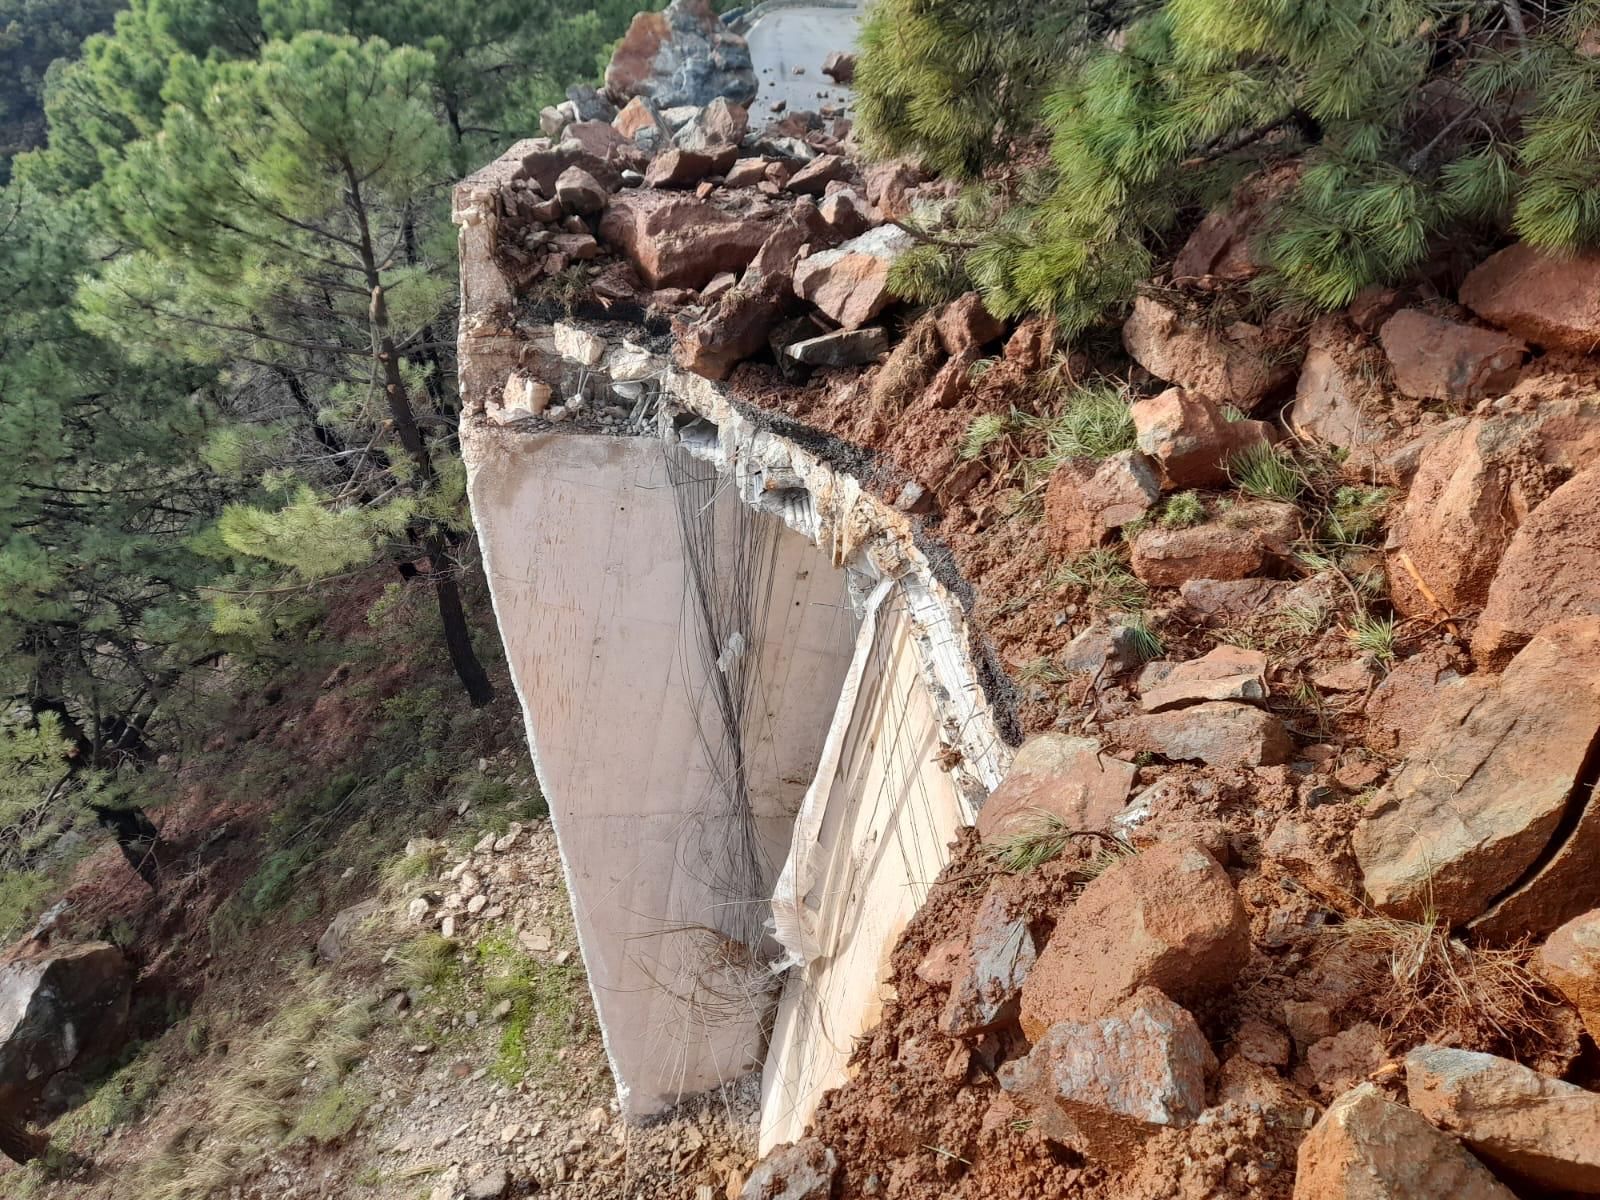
272 211
1413 122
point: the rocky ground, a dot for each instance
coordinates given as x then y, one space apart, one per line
1292 891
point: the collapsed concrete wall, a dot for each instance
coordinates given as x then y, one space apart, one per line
620 500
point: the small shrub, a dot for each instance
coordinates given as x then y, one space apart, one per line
1268 473
1375 635
985 430
1105 576
1145 641
542 1007
1355 513
1094 422
429 960
1183 510
331 1115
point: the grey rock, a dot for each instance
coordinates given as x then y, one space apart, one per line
841 348
803 1170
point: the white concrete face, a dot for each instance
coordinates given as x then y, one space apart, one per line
582 547
890 815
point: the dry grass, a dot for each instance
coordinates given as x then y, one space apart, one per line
1429 986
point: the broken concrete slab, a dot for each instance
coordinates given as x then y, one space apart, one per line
1367 1147
1488 784
1528 1124
1103 1086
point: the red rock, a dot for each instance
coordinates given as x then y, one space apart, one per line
1476 803
1103 1086
1308 1022
635 115
1262 1043
845 214
737 328
1407 700
1369 1148
684 55
1189 437
1232 367
597 138
797 229
1219 733
999 954
1437 359
1339 1062
746 172
1085 500
1225 673
579 191
889 185
718 287
943 964
1068 778
1570 961
544 164
1165 918
1338 399
677 241
1550 301
965 324
1223 600
851 283
840 66
576 247
682 168
950 383
1538 1128
717 125
1548 572
1170 557
813 178
804 1170
1465 503
1222 246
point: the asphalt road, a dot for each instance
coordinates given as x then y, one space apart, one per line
800 37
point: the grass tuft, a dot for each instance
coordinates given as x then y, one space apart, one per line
1183 510
1267 473
1375 635
1104 574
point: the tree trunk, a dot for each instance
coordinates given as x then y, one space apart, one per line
457 637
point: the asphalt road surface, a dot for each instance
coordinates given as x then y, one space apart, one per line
789 38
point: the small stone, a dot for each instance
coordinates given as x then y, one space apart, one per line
536 940
1219 733
580 192
577 345
841 348
1224 673
803 1170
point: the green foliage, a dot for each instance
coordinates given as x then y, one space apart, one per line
33 35
330 1115
1355 514
1145 642
1183 510
122 1097
1093 422
1413 121
1105 576
429 961
1267 472
1375 634
986 429
542 1010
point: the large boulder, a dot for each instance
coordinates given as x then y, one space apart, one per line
682 56
1536 1128
345 930
717 124
1486 788
1548 572
851 282
1569 961
680 241
1070 779
1166 918
1103 1086
1234 366
1435 358
1548 300
1190 439
1369 1148
61 1009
